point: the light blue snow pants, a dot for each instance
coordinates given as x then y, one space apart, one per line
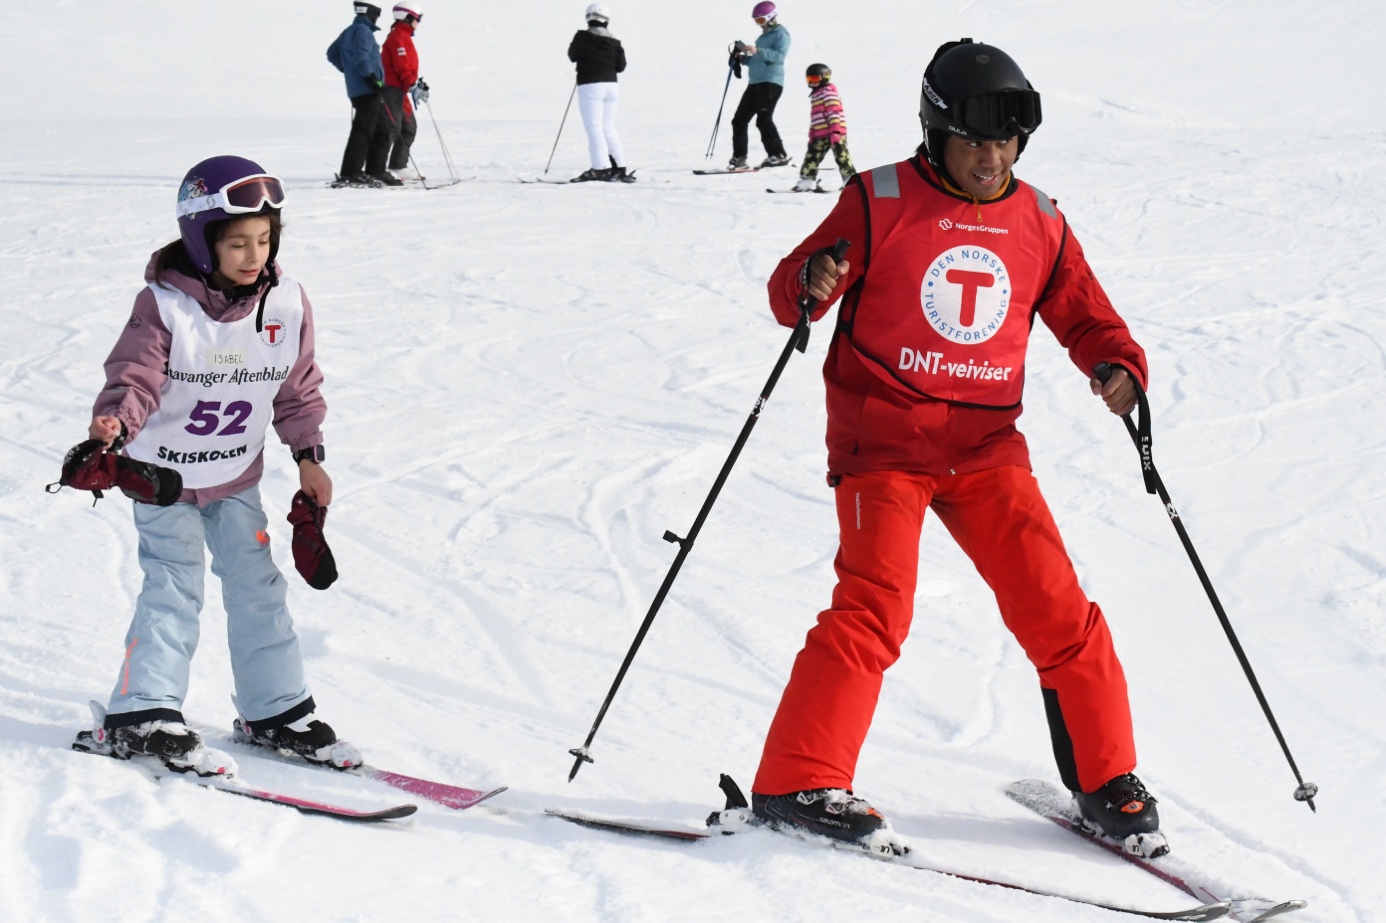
265 659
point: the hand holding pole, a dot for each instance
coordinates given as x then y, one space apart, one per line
1140 435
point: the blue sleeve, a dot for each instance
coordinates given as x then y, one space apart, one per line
363 55
774 52
334 54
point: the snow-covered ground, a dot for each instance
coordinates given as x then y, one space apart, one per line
529 384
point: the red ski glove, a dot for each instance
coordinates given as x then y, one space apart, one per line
90 466
312 557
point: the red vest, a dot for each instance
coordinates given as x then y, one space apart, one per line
945 305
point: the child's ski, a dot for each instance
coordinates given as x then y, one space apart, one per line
449 796
307 806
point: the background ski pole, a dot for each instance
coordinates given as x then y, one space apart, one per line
797 340
1140 435
447 154
711 145
560 129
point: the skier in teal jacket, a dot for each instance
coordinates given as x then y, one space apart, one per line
765 66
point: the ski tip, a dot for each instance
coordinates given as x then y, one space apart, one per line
395 813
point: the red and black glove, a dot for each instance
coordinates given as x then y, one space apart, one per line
91 466
312 557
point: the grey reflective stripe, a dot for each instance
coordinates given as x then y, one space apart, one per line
885 182
1045 204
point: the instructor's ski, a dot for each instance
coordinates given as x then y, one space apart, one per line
724 172
1048 802
680 833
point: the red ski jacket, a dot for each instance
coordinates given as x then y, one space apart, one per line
926 366
399 57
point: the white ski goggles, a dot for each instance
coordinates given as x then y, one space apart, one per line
244 196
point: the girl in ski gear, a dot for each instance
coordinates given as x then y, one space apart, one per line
765 71
599 58
924 379
218 347
400 61
827 129
356 55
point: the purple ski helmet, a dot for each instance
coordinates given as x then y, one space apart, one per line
765 10
220 189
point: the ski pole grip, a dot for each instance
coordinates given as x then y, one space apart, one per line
1140 430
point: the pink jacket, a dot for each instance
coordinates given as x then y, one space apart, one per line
135 375
826 118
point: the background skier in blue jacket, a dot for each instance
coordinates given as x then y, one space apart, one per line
357 56
765 64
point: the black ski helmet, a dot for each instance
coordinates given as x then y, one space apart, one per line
977 92
818 74
368 10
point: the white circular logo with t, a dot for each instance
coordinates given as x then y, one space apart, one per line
965 294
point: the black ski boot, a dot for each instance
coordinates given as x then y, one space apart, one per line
593 175
308 737
775 160
829 812
357 180
1124 811
172 743
737 163
386 178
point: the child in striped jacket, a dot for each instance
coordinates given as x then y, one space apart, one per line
827 130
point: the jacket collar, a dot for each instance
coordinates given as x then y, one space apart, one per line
218 305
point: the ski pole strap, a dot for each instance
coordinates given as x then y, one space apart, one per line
808 305
1140 430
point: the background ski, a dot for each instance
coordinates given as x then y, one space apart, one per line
1049 802
629 178
305 805
449 796
721 172
619 825
817 189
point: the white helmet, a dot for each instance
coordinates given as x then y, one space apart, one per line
599 13
408 10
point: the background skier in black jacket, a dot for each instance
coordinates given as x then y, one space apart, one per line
599 58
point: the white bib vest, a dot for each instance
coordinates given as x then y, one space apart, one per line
218 399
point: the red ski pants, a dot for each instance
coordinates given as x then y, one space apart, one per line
999 518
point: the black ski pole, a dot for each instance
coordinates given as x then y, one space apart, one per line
797 340
560 129
716 126
1140 435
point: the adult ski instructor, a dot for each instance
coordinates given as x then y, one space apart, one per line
952 258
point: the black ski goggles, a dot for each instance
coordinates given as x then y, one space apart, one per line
999 115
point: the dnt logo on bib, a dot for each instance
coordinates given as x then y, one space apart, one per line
965 294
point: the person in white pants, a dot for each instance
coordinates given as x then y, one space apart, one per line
599 58
597 103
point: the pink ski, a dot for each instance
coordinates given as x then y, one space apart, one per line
450 796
